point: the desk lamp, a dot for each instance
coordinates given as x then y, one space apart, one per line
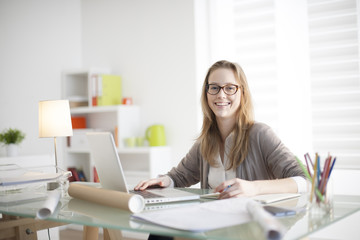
55 121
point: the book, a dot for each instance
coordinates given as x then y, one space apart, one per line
75 176
78 122
109 90
94 89
96 176
81 175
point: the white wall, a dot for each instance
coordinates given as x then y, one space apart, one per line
151 44
38 39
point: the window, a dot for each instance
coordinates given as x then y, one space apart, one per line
301 59
335 79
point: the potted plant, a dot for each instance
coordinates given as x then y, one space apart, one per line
11 138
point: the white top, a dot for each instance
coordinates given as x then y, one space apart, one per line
217 175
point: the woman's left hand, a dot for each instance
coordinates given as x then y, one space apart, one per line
236 188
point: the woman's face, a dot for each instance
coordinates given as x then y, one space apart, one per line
223 105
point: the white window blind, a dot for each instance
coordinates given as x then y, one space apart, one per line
335 80
301 58
244 31
255 51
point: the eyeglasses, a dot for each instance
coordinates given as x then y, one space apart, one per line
229 89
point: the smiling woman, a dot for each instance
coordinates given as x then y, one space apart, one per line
234 155
233 150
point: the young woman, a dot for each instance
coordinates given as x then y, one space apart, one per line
233 152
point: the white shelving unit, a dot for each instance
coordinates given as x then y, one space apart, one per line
123 121
76 84
139 163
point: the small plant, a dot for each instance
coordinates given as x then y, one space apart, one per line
11 136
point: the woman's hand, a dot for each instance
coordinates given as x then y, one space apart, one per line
163 181
236 188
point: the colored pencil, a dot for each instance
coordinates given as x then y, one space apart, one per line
314 176
309 158
318 171
317 192
331 168
325 175
303 168
307 164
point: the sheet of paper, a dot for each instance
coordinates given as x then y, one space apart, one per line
211 195
202 217
28 177
7 199
270 198
265 199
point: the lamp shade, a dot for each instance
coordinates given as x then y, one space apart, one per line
54 118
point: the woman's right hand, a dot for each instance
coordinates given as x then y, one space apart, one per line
163 181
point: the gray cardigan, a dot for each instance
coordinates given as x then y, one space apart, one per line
268 158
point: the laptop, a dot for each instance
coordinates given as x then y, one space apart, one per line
111 175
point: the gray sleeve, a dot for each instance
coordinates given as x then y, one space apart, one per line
268 157
187 172
279 159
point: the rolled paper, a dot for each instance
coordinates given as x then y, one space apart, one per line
131 202
49 205
273 229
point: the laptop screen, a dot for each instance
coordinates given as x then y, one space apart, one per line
107 162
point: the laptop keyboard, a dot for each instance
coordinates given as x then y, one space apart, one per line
146 194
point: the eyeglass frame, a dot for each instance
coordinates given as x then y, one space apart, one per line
222 88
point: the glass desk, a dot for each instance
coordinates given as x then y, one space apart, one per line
75 211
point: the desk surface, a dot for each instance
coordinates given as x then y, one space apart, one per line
80 212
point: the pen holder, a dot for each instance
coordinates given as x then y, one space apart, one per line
320 200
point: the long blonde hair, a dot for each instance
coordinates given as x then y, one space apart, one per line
210 135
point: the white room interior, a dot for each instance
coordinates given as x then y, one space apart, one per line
49 38
162 50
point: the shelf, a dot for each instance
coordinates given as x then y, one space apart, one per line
99 109
126 150
123 121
